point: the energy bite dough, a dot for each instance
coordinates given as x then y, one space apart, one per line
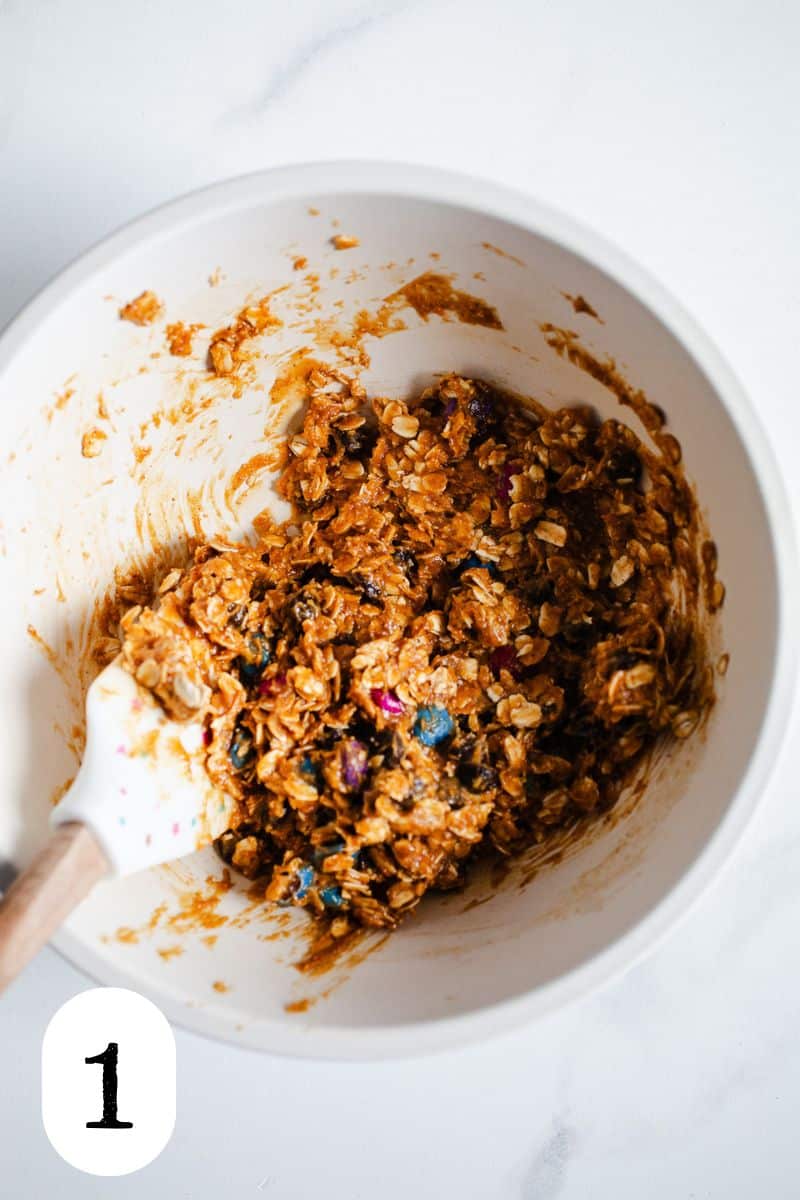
476 626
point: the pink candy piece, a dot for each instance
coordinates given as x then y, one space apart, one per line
387 702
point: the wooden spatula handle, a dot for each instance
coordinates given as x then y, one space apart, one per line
45 894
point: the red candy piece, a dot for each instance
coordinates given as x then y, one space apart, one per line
504 483
268 687
504 658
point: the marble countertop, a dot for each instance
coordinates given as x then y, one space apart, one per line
672 131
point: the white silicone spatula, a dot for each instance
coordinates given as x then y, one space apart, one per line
141 797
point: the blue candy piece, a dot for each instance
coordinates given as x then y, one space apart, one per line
433 725
258 656
323 852
331 896
310 770
241 748
473 560
305 878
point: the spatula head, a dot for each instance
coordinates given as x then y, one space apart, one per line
142 788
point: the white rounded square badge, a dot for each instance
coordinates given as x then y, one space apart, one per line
108 1081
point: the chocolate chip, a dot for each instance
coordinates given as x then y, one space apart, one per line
625 465
481 407
369 590
359 443
407 562
238 615
303 609
478 777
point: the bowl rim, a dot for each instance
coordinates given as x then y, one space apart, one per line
411 181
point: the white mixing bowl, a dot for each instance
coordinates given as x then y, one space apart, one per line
456 971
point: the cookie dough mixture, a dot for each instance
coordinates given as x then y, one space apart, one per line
480 620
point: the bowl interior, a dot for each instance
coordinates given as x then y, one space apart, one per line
175 436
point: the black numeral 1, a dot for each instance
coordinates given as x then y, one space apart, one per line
109 1060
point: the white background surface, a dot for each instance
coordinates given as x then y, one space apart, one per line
674 130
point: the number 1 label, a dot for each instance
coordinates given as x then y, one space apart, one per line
84 1089
109 1059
